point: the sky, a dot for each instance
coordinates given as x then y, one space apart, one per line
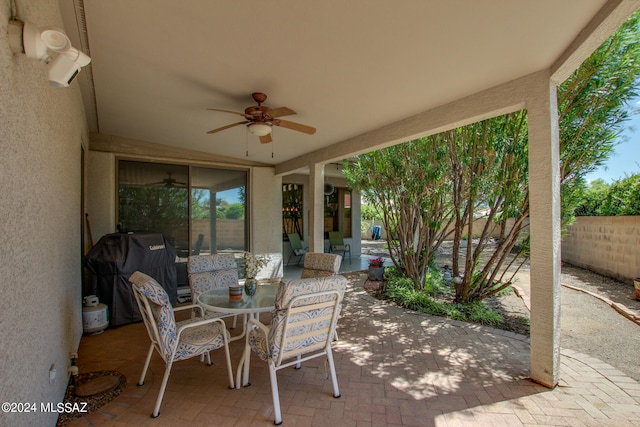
625 159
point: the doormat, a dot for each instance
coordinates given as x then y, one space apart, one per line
89 392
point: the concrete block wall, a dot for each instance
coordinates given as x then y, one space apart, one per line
606 245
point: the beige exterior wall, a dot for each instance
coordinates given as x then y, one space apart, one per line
266 211
607 245
42 130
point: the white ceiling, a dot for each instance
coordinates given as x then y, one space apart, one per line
346 67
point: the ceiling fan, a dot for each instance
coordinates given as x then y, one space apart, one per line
169 182
260 119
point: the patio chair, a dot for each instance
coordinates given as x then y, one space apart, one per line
318 264
207 272
303 326
175 340
296 247
337 244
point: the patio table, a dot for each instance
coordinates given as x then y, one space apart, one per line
217 300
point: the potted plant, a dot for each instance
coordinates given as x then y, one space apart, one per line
252 265
376 270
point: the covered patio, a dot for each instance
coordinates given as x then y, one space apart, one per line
394 367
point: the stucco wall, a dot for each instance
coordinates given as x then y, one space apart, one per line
41 134
607 245
266 211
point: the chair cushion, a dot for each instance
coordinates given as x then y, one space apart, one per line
258 343
160 308
309 273
318 264
202 263
202 282
208 272
194 341
322 261
286 293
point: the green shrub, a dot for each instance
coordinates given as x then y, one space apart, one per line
400 290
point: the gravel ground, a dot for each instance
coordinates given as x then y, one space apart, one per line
592 327
588 325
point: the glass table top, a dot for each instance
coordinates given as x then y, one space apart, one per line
218 300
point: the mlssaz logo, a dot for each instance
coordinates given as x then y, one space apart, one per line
156 247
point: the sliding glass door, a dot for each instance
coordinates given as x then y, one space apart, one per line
199 209
218 210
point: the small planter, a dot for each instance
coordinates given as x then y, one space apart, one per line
250 286
376 273
636 284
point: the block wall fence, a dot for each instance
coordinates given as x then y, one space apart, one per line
608 245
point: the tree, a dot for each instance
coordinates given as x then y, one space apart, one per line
234 211
592 197
488 167
369 212
592 105
200 207
622 198
408 185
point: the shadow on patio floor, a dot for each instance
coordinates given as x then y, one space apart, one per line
394 366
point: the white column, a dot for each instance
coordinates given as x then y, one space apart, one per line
316 211
356 213
544 190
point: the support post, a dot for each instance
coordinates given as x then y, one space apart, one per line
544 191
316 213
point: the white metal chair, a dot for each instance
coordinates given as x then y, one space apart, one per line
302 327
175 340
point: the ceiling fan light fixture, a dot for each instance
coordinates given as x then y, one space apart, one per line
259 129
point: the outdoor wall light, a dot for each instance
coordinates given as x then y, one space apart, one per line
41 43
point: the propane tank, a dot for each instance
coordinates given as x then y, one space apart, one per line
95 316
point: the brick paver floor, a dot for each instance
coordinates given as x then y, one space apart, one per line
395 368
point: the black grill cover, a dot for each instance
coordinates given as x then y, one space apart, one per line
116 257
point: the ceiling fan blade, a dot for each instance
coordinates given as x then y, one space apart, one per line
226 127
280 112
231 112
265 139
297 126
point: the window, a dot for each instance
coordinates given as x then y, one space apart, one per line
176 200
223 222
